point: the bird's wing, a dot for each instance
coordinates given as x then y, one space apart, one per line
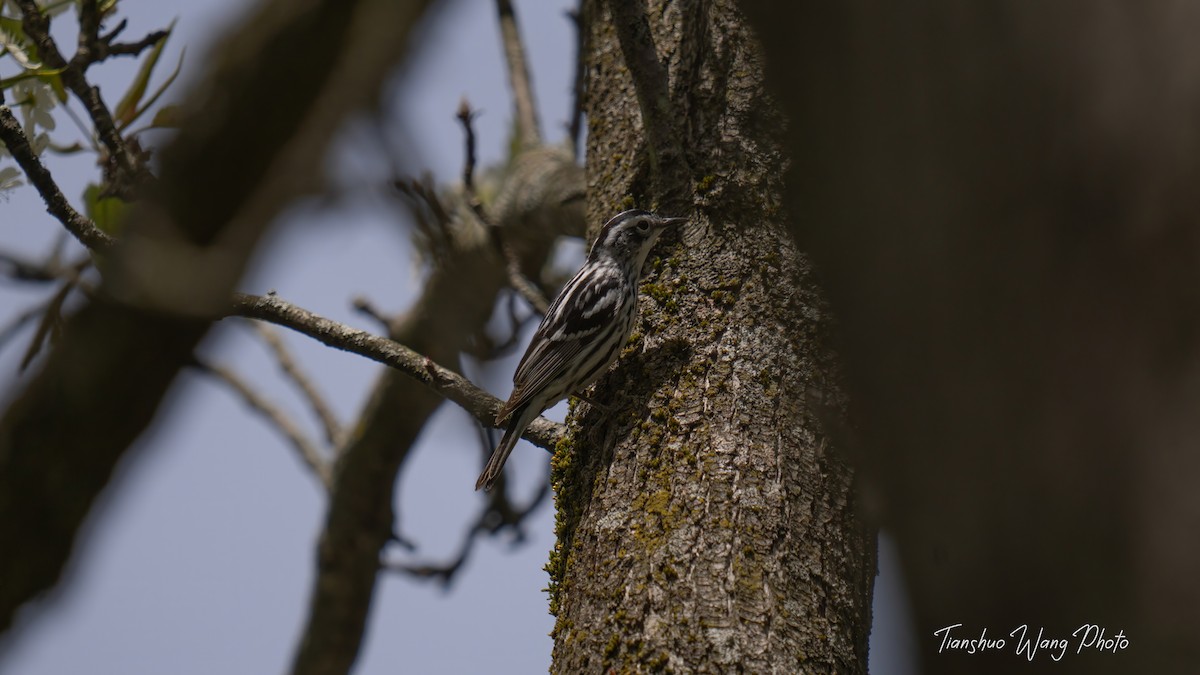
563 336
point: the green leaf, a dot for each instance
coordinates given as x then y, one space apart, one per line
56 8
127 109
54 79
50 76
13 27
167 117
158 92
106 211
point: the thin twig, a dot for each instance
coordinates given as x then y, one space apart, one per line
50 326
10 331
308 451
287 362
431 217
497 514
465 117
20 269
528 134
364 306
454 387
516 279
18 146
110 48
37 26
522 285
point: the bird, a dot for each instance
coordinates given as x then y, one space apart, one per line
583 330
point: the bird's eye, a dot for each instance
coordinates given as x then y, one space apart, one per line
643 225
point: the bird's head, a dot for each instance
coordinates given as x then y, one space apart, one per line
629 235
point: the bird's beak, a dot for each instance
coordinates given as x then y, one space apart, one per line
666 222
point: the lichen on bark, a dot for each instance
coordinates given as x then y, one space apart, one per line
705 519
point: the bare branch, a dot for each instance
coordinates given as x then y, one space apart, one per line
512 264
57 205
50 326
37 26
465 116
498 513
109 48
429 215
287 362
522 285
18 268
528 134
364 306
276 417
449 384
18 322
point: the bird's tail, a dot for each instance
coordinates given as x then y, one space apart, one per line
495 463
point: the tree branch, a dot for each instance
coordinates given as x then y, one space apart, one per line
204 206
276 417
498 513
308 389
37 27
445 382
512 263
528 133
57 205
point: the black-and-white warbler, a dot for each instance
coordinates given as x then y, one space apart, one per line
583 330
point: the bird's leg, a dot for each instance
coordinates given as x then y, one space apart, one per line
579 395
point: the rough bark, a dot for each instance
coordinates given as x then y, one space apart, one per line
706 520
1002 198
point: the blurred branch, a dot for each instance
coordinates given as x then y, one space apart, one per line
465 117
49 310
445 382
276 417
18 268
364 306
536 203
430 216
497 514
219 188
512 264
21 320
528 134
307 388
18 146
50 326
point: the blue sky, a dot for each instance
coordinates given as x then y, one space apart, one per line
200 560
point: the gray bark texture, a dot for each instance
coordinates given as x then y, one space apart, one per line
706 519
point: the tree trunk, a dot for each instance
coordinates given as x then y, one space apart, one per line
706 520
1002 199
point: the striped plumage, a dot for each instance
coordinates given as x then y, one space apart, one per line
583 330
